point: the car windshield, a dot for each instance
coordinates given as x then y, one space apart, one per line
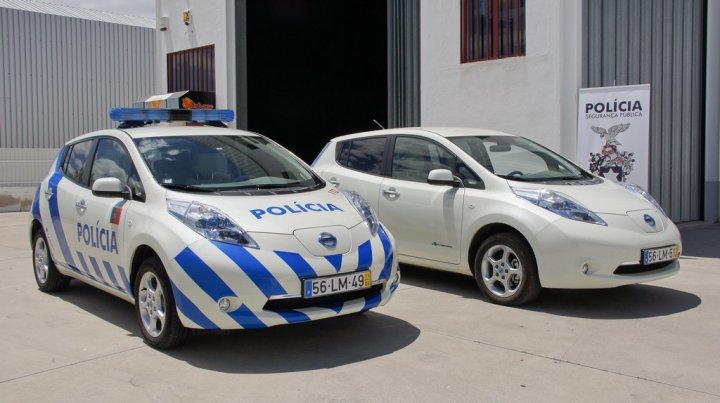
519 159
224 163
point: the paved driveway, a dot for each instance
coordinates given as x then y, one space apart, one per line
437 340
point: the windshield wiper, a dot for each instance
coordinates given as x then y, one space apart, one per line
267 186
189 188
568 178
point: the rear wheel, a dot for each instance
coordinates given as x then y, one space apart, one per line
155 307
505 270
47 277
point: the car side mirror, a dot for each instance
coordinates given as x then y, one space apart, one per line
110 187
443 177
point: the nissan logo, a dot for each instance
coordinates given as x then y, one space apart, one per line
327 240
649 220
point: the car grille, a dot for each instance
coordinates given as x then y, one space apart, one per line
326 301
640 268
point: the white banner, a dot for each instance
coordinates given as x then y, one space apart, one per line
613 138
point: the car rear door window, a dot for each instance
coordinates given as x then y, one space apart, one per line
75 166
366 155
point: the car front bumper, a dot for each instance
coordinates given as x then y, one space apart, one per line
264 286
572 254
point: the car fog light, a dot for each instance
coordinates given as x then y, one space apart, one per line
396 280
585 268
224 304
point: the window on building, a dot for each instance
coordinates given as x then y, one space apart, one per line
192 69
492 29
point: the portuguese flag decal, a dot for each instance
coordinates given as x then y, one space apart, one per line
116 212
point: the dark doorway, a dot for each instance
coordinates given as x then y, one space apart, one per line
316 69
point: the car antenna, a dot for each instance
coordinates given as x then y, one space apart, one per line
377 123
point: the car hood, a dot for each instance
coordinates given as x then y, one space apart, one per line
282 214
602 198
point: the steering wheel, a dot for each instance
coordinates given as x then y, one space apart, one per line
515 173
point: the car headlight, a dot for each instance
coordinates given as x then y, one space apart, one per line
209 222
641 193
363 207
558 203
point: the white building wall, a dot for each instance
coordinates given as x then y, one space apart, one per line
533 96
212 23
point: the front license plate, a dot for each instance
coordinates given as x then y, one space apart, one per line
664 254
317 287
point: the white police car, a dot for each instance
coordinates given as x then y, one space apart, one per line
512 213
205 228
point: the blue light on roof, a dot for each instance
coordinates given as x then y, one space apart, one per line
188 115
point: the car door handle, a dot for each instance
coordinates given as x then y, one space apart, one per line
334 181
81 206
391 193
49 194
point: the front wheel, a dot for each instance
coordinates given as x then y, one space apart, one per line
155 307
47 276
505 270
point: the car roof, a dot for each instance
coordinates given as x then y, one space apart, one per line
428 131
166 130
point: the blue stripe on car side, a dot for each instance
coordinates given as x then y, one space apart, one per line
299 265
293 316
110 273
365 258
84 266
246 318
372 302
190 310
203 275
335 260
95 266
387 248
258 273
36 205
123 276
55 215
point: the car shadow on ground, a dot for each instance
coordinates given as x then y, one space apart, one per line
627 302
321 344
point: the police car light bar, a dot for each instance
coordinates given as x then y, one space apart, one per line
187 115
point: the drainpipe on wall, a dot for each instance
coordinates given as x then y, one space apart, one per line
712 120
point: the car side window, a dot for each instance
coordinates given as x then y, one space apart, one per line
77 161
414 158
365 155
112 160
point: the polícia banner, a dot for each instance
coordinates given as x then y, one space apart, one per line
613 135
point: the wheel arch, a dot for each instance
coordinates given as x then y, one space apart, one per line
34 227
141 253
489 230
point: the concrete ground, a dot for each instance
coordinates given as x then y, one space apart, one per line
437 340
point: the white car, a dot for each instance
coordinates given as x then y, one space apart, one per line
205 228
504 209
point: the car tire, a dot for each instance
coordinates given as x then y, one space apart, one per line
505 270
47 276
155 307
